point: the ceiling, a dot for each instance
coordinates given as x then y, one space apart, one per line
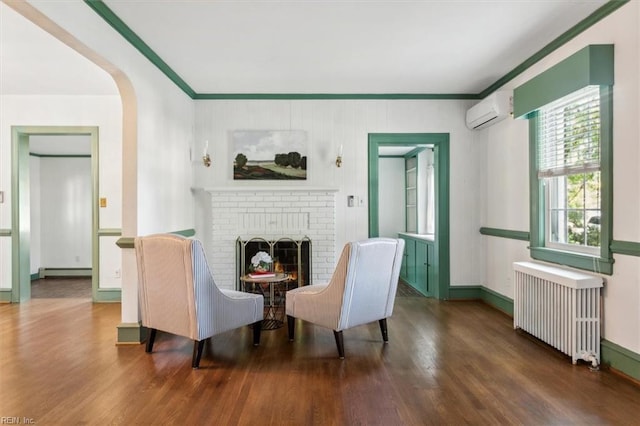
304 46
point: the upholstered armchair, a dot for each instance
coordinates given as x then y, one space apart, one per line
362 290
177 294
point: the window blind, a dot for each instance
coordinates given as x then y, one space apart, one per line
569 134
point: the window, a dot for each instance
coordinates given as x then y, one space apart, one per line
571 190
568 151
570 111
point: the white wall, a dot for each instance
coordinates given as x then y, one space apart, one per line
391 197
331 123
65 212
505 177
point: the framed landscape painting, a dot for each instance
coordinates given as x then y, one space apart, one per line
269 154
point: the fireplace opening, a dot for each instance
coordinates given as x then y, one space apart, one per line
291 256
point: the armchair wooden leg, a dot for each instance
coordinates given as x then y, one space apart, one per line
383 329
150 339
197 353
339 343
291 323
257 328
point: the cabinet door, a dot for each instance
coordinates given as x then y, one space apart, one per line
403 267
410 249
422 268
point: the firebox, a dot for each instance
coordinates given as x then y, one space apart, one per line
291 255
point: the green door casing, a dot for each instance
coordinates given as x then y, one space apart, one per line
438 272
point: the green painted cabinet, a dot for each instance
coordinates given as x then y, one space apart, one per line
418 268
421 282
408 271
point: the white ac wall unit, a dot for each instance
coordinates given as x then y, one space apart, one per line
489 111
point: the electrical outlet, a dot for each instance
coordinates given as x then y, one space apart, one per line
117 274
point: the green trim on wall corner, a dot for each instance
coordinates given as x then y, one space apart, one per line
621 359
5 295
127 242
115 22
112 19
505 233
35 276
334 96
131 333
109 232
5 232
625 247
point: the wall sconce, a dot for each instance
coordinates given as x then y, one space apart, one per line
206 159
339 158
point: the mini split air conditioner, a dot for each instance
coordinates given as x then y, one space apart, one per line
492 109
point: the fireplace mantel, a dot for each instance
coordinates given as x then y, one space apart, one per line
267 189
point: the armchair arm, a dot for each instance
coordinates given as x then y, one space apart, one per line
320 303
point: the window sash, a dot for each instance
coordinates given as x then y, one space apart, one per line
569 134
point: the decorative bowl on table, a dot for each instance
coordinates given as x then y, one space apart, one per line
261 263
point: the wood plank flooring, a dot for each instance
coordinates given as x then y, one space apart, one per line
61 287
447 363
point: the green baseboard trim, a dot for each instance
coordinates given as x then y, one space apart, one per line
620 359
497 300
5 295
478 292
505 233
108 295
130 333
64 272
465 292
35 276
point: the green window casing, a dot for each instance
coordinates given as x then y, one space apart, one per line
590 66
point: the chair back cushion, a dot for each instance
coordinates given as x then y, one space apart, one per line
371 281
165 283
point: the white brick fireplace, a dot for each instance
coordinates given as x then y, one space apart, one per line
271 213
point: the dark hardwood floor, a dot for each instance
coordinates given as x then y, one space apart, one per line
446 363
61 287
